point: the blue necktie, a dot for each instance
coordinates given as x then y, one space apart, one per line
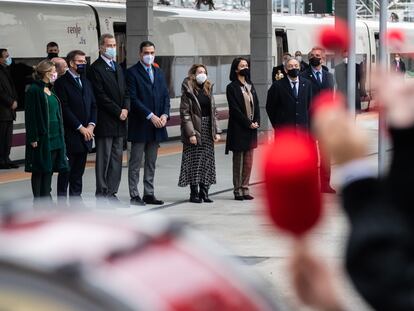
113 65
78 81
294 90
318 77
151 74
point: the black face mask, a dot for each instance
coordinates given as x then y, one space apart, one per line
52 55
315 62
245 72
293 73
80 68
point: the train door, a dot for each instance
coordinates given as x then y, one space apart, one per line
281 45
120 37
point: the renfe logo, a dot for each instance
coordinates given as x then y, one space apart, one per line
75 30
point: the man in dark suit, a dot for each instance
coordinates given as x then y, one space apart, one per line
79 117
279 71
8 105
112 102
341 80
150 110
321 79
288 99
397 64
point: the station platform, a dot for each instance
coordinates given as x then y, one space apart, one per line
238 225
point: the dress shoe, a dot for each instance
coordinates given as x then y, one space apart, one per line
150 199
137 201
113 198
238 197
12 165
247 197
328 189
4 166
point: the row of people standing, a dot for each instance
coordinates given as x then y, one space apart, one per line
95 106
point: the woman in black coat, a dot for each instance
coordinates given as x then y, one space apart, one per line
244 120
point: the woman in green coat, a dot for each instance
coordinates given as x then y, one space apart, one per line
45 147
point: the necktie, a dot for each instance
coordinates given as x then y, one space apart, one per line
113 65
318 77
151 74
397 68
78 81
294 90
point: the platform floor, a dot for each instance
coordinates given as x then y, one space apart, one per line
239 226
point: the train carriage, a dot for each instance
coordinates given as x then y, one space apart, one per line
182 37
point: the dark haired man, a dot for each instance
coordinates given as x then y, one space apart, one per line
8 105
52 50
79 116
150 110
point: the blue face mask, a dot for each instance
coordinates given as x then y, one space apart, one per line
8 61
110 53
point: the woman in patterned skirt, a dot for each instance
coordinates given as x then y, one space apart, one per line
199 131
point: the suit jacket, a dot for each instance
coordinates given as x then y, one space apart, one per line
7 95
284 109
341 82
240 137
146 98
111 97
394 66
78 108
380 251
327 80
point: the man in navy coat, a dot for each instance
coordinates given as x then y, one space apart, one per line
289 99
79 117
150 110
321 79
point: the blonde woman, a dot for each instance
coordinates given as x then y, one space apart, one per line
45 147
199 131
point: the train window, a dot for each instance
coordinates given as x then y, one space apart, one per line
281 45
120 36
181 66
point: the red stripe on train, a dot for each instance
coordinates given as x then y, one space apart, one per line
20 139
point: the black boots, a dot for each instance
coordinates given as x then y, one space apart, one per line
204 193
194 196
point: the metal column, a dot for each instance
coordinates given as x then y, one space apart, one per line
261 53
140 26
382 140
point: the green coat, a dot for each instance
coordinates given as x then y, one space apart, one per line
37 129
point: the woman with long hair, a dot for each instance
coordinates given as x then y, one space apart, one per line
199 131
45 146
244 120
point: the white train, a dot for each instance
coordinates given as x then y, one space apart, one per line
182 37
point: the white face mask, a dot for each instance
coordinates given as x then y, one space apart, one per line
299 58
346 60
148 59
201 78
110 53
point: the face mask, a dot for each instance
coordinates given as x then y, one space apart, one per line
8 61
80 68
346 60
53 77
245 72
315 62
293 73
397 59
201 78
299 58
148 59
110 53
52 55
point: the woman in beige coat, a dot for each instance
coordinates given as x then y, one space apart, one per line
199 131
